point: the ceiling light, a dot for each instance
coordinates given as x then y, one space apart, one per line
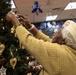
49 18
13 5
71 5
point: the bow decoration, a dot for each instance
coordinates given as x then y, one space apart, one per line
36 8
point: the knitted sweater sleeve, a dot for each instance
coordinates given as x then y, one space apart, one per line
38 48
42 36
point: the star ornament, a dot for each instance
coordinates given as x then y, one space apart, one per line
3 71
36 8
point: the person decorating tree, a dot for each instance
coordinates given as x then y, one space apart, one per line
56 55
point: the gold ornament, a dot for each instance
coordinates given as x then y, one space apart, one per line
13 62
2 47
13 30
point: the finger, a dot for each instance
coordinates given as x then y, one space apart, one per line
20 15
22 19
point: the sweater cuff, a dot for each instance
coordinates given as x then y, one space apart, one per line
19 25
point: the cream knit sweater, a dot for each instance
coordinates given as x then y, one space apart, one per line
56 59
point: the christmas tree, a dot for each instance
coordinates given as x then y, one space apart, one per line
13 58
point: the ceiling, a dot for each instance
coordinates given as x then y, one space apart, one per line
49 7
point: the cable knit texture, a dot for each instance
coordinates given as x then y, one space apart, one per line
56 59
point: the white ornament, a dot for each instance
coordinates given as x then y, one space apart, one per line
3 71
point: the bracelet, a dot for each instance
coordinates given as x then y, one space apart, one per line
31 28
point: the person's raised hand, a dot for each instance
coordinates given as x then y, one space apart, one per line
10 17
25 21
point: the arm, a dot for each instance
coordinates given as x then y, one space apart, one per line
33 30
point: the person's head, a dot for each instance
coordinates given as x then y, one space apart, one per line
57 37
66 35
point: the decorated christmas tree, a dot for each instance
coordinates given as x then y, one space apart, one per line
13 56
